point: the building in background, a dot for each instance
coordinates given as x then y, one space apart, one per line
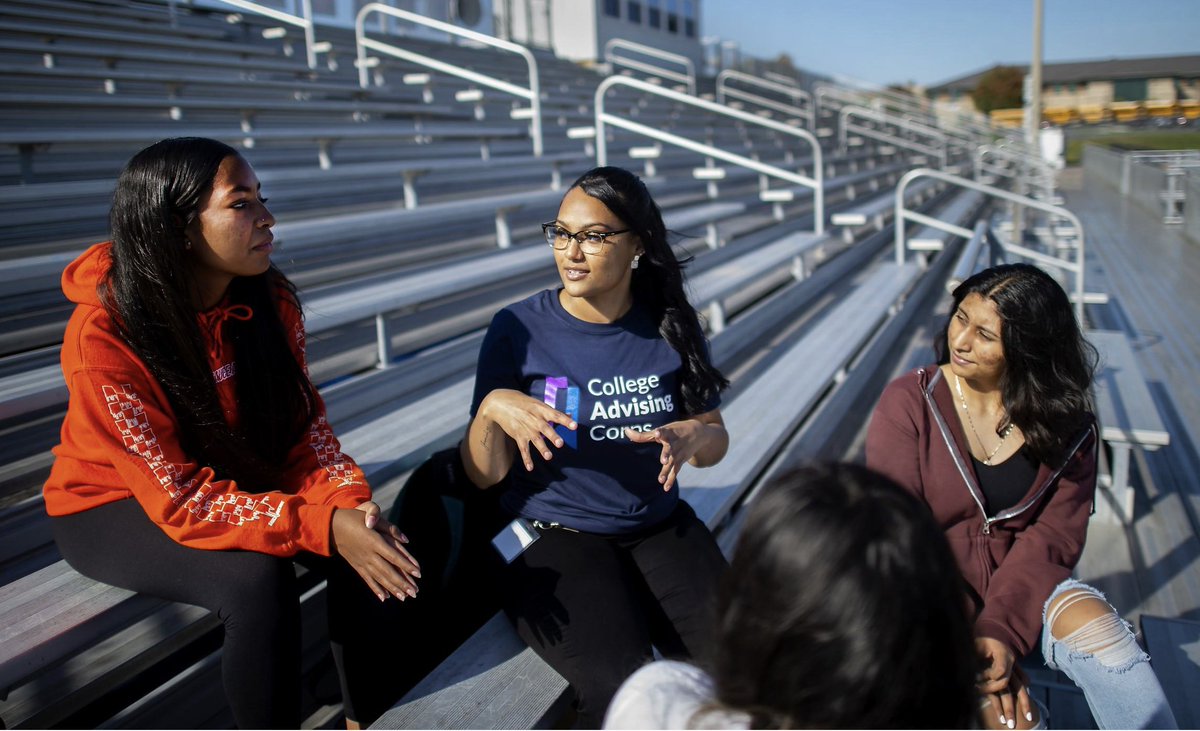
1122 90
476 15
579 29
572 29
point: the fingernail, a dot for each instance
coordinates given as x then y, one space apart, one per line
1002 721
382 596
403 538
372 520
573 425
412 593
1028 715
1012 723
416 574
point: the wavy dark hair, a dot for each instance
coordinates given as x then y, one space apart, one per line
1048 364
843 608
151 293
658 281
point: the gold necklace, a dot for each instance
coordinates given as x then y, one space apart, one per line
971 422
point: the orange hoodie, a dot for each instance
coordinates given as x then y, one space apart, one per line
119 440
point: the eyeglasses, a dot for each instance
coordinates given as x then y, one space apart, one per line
590 242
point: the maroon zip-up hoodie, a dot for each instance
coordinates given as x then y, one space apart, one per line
1011 560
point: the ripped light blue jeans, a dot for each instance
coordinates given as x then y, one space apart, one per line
1105 661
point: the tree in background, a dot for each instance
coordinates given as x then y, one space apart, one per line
999 88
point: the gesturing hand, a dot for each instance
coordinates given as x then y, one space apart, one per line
375 549
525 420
680 441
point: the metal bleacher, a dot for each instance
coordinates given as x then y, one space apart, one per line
408 214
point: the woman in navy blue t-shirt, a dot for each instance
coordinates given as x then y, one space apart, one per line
602 389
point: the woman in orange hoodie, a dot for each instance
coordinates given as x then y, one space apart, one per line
196 460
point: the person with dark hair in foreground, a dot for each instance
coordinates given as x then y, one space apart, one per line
999 440
841 609
590 398
196 460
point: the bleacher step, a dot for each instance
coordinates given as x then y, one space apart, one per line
1174 647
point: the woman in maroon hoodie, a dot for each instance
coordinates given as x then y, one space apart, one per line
1000 443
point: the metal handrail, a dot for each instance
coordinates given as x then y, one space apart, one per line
1032 171
1148 157
863 98
903 215
844 125
816 183
612 58
780 78
1186 158
304 21
533 93
797 94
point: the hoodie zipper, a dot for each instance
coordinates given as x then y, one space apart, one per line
944 428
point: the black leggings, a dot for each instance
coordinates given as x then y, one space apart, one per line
256 596
593 606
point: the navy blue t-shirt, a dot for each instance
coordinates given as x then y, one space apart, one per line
606 376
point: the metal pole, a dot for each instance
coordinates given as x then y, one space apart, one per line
529 22
1033 121
1035 76
309 37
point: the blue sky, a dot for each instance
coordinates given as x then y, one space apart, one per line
930 41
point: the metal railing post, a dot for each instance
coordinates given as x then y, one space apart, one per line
903 215
797 95
689 77
844 126
303 21
1029 171
603 119
533 93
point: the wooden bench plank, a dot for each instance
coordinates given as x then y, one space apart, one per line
795 381
97 101
1128 417
1126 408
137 38
492 681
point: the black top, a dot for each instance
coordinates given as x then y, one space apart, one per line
1004 484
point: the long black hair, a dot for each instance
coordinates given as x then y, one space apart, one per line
151 293
658 281
1048 364
843 608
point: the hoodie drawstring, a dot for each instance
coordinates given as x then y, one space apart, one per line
212 322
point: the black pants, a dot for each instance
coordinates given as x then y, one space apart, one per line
593 606
256 596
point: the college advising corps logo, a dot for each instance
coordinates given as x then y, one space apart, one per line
614 404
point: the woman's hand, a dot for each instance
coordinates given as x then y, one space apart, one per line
684 442
1002 681
375 549
525 420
